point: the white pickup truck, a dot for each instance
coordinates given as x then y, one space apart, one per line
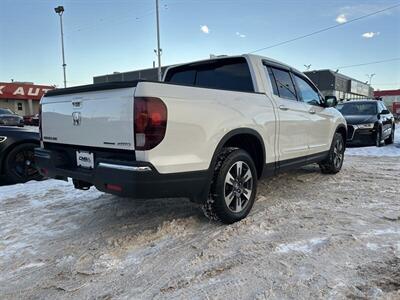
208 132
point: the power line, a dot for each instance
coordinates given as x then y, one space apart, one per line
368 63
325 29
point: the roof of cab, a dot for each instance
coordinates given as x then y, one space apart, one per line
250 57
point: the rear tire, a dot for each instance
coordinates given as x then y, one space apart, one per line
333 164
390 139
233 187
19 164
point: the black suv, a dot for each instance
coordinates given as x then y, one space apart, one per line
368 122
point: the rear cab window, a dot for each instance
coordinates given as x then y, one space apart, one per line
226 74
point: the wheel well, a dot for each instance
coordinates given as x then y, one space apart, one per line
342 130
252 145
10 148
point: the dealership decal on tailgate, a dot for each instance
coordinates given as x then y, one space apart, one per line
85 159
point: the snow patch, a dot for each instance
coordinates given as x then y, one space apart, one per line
306 246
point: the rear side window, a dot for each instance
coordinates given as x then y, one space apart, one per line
284 84
273 81
225 74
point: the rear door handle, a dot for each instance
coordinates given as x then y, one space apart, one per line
311 111
283 107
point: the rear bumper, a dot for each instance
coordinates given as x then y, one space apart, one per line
128 179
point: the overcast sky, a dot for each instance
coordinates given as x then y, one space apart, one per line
103 36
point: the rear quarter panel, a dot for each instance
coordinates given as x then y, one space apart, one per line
198 118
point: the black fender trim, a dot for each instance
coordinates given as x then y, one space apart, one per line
342 126
221 144
231 134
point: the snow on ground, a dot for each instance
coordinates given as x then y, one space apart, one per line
309 236
387 150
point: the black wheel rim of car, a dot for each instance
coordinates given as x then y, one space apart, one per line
238 186
338 153
23 166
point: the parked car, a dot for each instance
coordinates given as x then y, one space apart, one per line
369 122
208 132
9 118
32 120
17 154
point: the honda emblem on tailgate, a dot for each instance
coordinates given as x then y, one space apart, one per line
76 118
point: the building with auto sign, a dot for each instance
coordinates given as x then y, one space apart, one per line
391 98
332 83
22 97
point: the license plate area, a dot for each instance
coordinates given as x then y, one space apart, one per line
85 159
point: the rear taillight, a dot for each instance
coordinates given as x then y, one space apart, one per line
150 122
40 122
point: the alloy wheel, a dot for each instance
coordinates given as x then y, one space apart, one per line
338 153
238 186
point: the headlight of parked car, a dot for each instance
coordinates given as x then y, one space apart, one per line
3 139
366 126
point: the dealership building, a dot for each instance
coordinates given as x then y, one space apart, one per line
22 97
332 83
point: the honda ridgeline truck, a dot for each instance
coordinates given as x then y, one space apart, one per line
208 132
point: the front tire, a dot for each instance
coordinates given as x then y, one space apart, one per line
233 188
333 164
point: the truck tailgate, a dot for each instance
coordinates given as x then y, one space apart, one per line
95 118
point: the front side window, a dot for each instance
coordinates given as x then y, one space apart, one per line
307 93
284 83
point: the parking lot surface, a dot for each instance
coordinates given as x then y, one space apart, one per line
309 236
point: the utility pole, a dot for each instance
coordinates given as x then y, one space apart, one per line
60 10
370 78
158 42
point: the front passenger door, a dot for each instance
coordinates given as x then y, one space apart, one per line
321 121
292 117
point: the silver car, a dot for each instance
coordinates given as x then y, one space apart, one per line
9 118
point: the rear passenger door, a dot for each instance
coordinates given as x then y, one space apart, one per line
318 135
292 117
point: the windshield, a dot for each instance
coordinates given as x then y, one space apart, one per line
353 108
6 111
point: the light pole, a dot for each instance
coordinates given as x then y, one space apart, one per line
158 42
370 78
60 10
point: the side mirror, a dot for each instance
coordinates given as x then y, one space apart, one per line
330 101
